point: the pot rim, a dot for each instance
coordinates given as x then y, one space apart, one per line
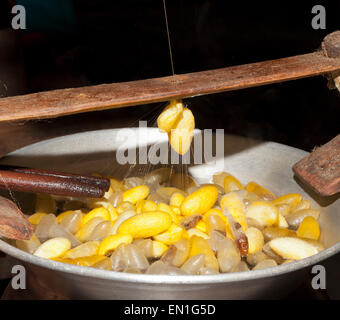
166 279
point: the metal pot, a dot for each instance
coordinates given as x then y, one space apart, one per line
265 162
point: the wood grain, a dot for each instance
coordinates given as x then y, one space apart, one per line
51 104
13 223
321 168
52 182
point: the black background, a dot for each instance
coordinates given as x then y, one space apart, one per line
112 41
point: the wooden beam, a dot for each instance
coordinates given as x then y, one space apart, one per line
56 103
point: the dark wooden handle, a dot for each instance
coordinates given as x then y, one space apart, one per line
102 183
321 168
51 184
13 223
62 102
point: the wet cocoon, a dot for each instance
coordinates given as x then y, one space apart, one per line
181 135
179 123
170 115
146 224
53 248
135 194
200 201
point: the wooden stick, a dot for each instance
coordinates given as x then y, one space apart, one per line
102 183
321 168
63 102
51 184
13 223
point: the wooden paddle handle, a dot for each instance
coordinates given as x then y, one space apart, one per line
321 168
13 223
62 102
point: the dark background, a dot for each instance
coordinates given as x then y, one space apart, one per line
85 42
